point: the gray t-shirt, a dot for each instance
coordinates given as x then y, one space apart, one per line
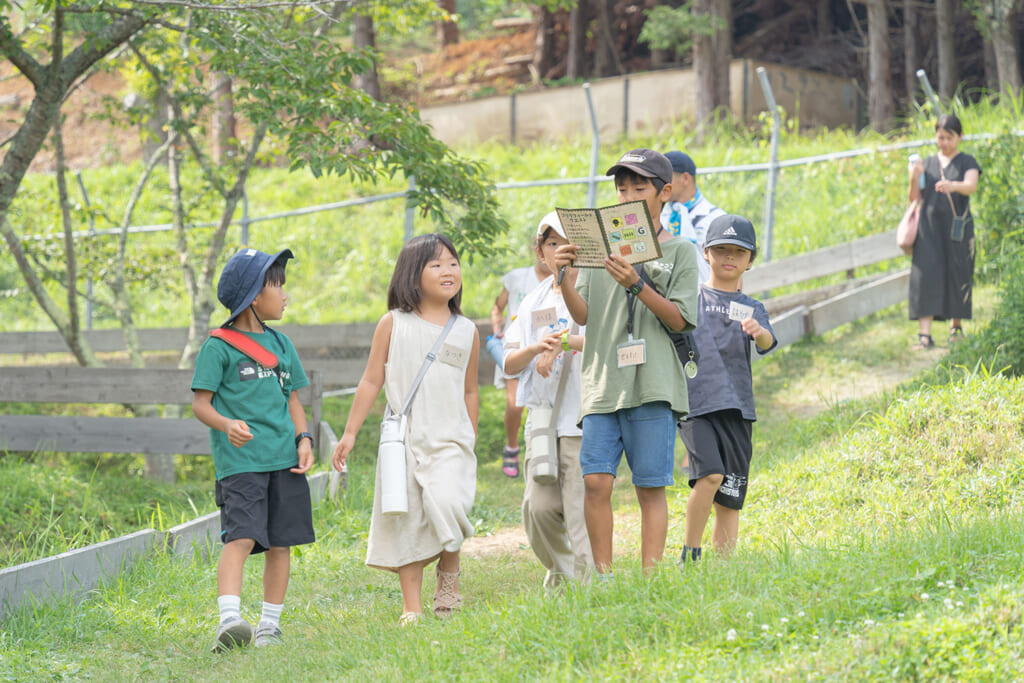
723 379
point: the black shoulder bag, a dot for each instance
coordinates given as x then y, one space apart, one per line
686 347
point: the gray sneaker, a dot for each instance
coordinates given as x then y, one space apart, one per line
267 634
232 632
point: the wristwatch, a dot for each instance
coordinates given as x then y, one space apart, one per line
304 435
636 287
565 341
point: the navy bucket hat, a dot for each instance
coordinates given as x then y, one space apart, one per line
242 278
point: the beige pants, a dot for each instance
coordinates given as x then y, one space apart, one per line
553 516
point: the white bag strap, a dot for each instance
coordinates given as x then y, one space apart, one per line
431 356
562 380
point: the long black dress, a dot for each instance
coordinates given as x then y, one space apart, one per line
942 272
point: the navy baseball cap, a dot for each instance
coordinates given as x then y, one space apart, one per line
731 229
646 163
681 162
242 278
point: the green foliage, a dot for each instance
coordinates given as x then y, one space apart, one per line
673 28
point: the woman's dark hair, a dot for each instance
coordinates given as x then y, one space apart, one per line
950 123
629 174
404 291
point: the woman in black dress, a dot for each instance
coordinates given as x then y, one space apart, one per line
942 272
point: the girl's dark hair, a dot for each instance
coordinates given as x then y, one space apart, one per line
950 123
404 291
275 274
629 174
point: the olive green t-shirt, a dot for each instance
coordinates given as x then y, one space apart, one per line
607 387
245 390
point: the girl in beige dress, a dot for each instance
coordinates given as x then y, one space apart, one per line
425 290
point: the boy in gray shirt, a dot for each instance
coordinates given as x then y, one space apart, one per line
717 430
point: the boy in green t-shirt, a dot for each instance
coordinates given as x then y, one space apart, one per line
259 439
634 387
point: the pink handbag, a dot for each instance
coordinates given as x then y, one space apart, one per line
906 231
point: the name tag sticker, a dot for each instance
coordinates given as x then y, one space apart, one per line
738 311
544 317
453 355
632 353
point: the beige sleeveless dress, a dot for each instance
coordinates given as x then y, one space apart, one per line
440 463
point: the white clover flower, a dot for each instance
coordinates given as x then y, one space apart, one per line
730 634
814 637
924 596
750 615
940 584
959 604
801 614
783 620
765 627
869 622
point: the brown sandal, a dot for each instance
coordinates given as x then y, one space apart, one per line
447 599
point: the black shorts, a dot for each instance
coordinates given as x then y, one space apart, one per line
272 508
719 443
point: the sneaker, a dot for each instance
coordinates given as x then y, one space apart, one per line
510 462
232 632
267 634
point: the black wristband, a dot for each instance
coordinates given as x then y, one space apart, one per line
636 287
304 435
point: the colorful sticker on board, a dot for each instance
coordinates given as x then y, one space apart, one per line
615 237
617 222
639 247
625 250
629 234
631 219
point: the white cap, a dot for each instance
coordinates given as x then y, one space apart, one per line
550 221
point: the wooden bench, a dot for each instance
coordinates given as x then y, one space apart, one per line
144 435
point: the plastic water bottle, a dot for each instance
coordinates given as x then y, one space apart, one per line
391 461
912 160
494 347
543 446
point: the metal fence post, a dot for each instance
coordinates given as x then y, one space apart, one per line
92 231
595 148
410 212
927 85
773 165
245 217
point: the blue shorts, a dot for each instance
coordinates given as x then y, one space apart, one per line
646 433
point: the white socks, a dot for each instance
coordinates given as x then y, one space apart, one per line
271 613
230 606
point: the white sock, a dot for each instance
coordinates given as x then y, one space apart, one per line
230 606
271 613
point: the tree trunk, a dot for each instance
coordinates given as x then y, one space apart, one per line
364 38
447 31
911 48
606 57
991 69
544 46
704 69
946 45
722 45
823 19
1002 19
577 32
880 103
224 134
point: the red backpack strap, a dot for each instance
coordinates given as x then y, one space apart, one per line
246 345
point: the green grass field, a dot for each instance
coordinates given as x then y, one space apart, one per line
881 540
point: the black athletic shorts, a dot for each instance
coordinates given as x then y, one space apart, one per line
719 443
272 508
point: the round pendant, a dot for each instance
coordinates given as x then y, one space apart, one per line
690 369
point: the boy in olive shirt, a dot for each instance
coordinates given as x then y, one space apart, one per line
245 392
626 406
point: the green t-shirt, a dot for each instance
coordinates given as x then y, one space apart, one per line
607 387
245 390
